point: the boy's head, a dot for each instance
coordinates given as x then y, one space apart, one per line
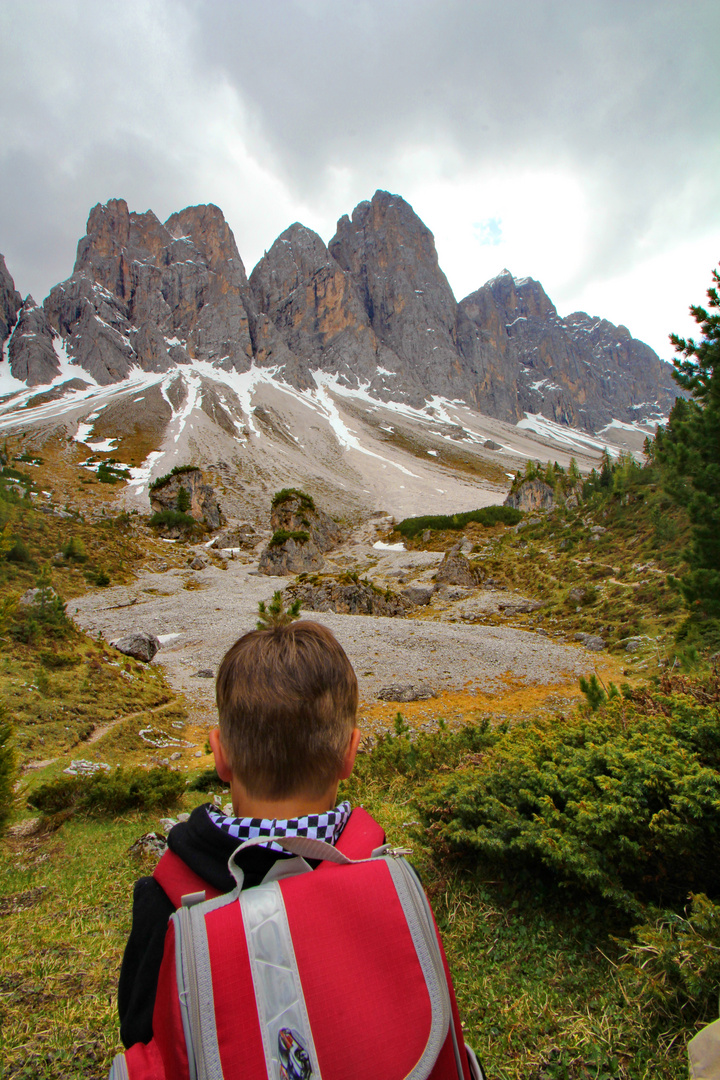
287 699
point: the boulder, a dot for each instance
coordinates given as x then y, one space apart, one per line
150 844
591 641
200 497
405 693
519 607
140 645
419 595
456 570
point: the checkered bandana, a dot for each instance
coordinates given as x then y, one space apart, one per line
326 826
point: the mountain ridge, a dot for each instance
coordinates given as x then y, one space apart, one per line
372 307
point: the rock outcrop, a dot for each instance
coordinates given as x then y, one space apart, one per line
301 533
456 570
537 495
31 351
10 302
349 598
198 499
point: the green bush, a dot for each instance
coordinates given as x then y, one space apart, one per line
19 553
487 516
625 806
280 536
109 793
7 769
207 780
165 519
306 501
412 756
183 500
673 966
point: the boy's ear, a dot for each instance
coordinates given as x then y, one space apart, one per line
221 765
349 759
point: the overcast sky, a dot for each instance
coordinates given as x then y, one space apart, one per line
574 141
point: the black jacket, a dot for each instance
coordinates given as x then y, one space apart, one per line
206 850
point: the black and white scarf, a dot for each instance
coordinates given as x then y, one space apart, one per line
326 826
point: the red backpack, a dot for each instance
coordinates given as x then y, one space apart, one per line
336 974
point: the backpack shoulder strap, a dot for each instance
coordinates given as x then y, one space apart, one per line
361 835
176 879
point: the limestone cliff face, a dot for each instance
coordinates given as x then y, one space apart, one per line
314 306
10 302
31 351
390 255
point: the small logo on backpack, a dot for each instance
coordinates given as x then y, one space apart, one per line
294 1059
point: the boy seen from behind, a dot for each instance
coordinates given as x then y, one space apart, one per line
287 701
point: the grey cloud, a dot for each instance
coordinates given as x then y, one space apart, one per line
121 98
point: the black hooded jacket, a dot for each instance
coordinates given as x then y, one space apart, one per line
206 850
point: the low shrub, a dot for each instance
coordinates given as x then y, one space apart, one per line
673 965
208 780
625 806
172 519
404 753
280 536
19 553
287 494
110 793
486 515
48 618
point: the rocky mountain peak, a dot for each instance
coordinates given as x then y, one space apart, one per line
207 229
390 255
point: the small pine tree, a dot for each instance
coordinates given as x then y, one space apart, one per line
573 471
183 500
275 613
688 453
606 470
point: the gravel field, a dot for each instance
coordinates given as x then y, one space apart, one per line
198 614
